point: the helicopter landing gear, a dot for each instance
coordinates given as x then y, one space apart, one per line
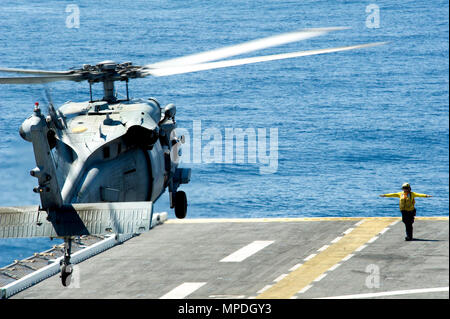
66 266
180 204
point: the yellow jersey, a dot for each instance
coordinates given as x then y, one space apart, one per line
406 200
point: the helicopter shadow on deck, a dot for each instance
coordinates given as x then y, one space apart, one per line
67 222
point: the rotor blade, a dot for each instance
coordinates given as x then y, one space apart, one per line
39 79
51 109
264 58
43 72
242 48
48 96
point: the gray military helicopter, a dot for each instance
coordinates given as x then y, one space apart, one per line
101 164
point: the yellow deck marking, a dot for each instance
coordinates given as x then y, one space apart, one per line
288 219
313 268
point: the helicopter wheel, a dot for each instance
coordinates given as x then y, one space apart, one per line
66 275
180 204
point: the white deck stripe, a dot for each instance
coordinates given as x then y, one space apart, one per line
320 277
295 267
263 289
334 241
305 289
389 293
372 239
309 257
360 248
394 223
347 257
183 290
359 223
323 248
247 251
334 267
348 231
280 277
384 230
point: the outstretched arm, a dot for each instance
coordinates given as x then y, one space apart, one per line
391 195
421 195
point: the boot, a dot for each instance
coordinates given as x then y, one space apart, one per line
409 233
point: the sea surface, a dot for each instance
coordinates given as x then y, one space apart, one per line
350 125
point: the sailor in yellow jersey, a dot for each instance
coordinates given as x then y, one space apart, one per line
407 207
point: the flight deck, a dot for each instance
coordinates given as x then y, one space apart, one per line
267 258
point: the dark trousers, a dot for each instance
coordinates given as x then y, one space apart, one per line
408 220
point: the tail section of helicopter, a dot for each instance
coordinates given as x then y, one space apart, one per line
35 130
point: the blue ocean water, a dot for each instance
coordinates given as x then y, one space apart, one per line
351 125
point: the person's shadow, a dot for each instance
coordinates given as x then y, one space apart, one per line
420 239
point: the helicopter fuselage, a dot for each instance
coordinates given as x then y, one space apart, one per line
105 152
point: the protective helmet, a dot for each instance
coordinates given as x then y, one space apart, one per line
406 185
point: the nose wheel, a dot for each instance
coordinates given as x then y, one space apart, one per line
66 266
66 275
180 204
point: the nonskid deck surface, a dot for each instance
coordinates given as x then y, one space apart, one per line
267 258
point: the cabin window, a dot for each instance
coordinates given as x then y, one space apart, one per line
51 138
106 152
